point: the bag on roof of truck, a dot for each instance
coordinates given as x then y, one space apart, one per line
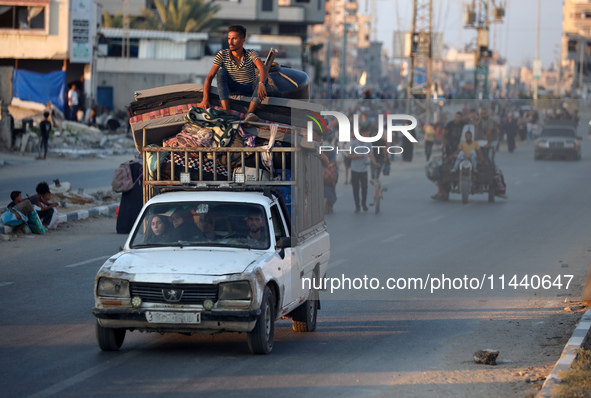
122 179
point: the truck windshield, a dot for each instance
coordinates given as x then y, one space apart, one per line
222 224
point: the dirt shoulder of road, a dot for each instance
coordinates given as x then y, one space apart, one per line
529 335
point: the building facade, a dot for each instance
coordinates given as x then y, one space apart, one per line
576 45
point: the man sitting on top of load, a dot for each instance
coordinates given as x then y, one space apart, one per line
237 74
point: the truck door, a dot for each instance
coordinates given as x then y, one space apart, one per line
289 267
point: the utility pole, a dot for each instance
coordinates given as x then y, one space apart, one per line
125 39
581 46
328 52
477 17
537 66
343 79
420 74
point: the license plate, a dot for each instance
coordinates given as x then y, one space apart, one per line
173 317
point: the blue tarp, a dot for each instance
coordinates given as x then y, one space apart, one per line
40 87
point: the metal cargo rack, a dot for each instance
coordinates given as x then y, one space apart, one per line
213 154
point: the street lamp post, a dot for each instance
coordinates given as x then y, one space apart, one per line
537 63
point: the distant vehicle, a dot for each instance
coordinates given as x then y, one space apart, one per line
558 141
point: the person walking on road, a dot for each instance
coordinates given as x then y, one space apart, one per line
73 102
45 128
359 166
510 128
429 139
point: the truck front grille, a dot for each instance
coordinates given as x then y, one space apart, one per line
168 293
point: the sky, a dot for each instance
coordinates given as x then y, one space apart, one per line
514 39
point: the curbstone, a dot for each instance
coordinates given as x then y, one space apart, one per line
568 355
75 215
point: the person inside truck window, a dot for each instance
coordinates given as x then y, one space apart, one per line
184 225
235 69
256 226
206 226
159 229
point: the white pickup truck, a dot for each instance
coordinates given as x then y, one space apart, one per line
213 253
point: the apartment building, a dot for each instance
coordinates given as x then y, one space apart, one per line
576 45
350 50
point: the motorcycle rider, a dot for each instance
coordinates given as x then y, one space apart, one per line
468 148
452 134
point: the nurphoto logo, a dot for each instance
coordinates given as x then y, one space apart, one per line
344 131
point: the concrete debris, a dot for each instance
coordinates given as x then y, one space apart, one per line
74 198
575 308
486 357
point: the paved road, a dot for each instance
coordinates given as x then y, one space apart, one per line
23 173
369 342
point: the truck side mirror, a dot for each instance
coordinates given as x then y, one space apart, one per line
285 242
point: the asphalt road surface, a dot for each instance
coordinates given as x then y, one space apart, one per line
369 342
89 174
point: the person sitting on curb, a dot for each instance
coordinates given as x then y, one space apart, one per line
18 218
47 212
468 148
235 69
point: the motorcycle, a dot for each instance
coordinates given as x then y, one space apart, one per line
467 182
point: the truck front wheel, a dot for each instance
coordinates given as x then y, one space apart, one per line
109 339
260 339
304 317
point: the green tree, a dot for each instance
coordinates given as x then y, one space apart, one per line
112 21
181 16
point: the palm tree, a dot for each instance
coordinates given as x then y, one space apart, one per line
181 16
112 21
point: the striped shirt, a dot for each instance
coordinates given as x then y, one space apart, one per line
243 73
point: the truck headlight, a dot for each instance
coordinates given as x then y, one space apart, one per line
111 287
235 291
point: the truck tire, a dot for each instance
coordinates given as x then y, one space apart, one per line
491 193
304 317
465 189
260 339
109 339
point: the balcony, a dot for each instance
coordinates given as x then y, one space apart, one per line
291 14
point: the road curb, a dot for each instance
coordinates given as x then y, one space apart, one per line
75 215
568 355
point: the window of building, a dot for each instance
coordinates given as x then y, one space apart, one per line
115 47
572 46
302 1
267 5
33 18
266 30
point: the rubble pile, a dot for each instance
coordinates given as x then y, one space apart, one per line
73 139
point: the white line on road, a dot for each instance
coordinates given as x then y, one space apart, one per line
393 238
69 382
438 218
2 284
92 260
